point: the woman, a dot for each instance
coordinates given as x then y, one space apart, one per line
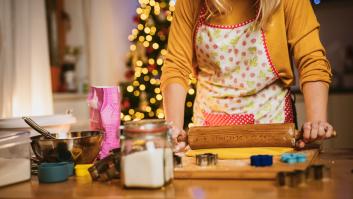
240 52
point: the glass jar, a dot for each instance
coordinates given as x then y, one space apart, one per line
146 154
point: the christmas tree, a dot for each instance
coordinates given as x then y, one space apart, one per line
142 96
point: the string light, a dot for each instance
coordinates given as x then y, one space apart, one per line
147 30
155 46
131 111
151 61
159 97
130 88
152 2
127 118
139 11
146 44
135 83
145 71
136 93
148 109
155 72
137 74
140 27
153 30
153 81
164 52
149 38
139 63
159 61
152 100
191 91
133 47
143 17
151 114
135 31
169 17
157 90
189 104
160 115
131 38
142 87
141 38
157 12
146 78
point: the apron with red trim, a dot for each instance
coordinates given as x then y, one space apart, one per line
237 81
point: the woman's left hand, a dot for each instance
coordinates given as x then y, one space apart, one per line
313 131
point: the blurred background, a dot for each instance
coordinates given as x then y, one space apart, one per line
51 51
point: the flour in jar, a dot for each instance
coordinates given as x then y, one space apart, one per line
149 169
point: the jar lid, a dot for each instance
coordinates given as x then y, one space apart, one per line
146 126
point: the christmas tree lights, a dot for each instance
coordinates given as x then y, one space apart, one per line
142 96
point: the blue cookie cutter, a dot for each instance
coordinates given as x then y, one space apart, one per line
261 160
293 158
55 172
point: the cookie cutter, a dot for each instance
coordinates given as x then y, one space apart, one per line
206 159
291 179
297 178
261 160
177 160
318 172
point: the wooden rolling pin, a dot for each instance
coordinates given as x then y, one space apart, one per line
254 135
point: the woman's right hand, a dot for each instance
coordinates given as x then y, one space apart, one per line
179 137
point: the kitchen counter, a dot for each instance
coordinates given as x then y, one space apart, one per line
339 186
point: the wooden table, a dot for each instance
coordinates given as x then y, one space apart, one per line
340 186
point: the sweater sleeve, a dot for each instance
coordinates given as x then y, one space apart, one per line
304 42
178 61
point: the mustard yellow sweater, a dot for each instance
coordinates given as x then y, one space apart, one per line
293 32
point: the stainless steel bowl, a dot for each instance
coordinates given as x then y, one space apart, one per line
79 147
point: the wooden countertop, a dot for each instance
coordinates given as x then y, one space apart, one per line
340 186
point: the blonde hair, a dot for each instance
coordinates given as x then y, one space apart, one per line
265 10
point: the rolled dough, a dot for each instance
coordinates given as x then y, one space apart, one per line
241 153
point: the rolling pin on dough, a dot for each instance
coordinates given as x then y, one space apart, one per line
252 135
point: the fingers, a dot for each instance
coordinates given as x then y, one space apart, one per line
180 147
175 134
316 131
179 138
182 137
321 130
300 144
329 132
307 131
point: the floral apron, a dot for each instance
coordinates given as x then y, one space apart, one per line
237 81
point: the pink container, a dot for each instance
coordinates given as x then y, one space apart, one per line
104 103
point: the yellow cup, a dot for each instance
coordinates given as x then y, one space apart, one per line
82 169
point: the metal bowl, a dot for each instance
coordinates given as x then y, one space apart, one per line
79 147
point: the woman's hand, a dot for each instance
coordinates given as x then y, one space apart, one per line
313 131
179 137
